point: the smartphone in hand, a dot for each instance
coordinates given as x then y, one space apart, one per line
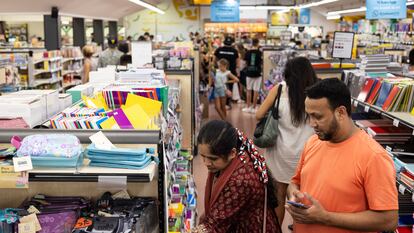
298 205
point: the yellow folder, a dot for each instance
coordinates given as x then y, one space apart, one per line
138 117
150 106
110 123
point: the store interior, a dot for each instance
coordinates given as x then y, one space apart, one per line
102 101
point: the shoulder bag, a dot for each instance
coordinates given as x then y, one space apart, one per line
267 129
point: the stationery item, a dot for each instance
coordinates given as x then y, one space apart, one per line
392 95
150 106
138 117
109 123
374 93
369 83
101 141
122 119
383 93
391 130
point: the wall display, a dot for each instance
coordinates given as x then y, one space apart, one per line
294 16
386 9
225 11
179 20
343 44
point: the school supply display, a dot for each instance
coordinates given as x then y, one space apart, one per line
52 150
120 157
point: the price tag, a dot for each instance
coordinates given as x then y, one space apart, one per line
366 109
401 189
22 164
371 132
396 122
32 218
412 198
388 148
28 227
101 141
355 103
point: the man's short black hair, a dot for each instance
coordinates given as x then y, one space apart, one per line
332 89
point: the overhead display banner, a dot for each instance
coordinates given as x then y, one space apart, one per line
294 16
343 44
225 11
386 9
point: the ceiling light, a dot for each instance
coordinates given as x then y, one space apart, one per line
331 17
273 7
360 9
247 7
312 4
148 6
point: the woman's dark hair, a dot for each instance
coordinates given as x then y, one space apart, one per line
222 137
125 59
334 90
123 47
411 57
299 75
141 38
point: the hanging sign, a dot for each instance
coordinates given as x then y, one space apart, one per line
386 9
343 44
225 11
304 16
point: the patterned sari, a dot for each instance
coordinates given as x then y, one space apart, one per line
235 199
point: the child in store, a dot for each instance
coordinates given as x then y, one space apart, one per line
220 79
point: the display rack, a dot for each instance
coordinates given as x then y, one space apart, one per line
84 181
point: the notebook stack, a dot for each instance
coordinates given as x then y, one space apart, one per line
374 63
390 94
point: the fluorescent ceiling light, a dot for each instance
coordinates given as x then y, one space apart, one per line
312 4
331 17
247 7
361 9
273 7
148 6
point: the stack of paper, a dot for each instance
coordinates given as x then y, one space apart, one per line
374 63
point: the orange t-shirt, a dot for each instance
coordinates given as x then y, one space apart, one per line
352 176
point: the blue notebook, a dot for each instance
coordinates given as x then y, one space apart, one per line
383 93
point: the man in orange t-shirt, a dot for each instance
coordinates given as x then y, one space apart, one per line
345 179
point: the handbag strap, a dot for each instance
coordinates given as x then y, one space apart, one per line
265 211
275 109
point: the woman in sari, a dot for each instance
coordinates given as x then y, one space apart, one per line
239 196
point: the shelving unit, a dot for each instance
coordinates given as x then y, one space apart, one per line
85 180
398 117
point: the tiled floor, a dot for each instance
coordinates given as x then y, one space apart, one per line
244 121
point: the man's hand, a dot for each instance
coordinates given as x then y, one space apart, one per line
315 214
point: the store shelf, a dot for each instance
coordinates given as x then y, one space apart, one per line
53 59
91 174
37 72
404 118
39 82
66 59
73 83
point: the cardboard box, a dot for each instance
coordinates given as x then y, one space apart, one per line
31 108
65 101
50 97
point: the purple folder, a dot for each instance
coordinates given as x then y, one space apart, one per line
122 119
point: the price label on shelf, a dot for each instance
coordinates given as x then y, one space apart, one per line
388 148
396 122
412 198
366 109
355 103
401 189
371 132
22 164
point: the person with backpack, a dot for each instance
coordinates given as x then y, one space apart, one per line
254 78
